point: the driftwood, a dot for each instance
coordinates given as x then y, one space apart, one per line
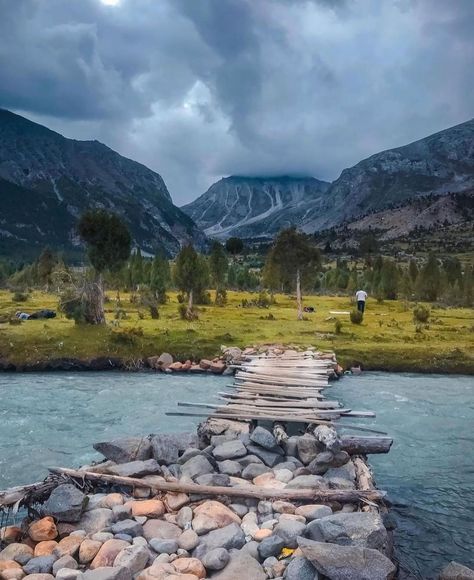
355 445
15 495
252 491
364 480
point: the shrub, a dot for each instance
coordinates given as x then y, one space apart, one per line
127 336
184 315
71 305
421 314
338 326
356 317
20 296
15 321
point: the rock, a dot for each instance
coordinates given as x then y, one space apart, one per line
196 369
228 537
130 527
270 458
190 566
230 450
347 472
211 515
283 507
271 546
239 509
16 551
184 517
264 438
289 530
307 482
188 540
68 546
134 558
241 565
265 507
68 574
88 550
214 479
45 548
248 459
125 449
66 503
218 367
40 565
347 562
254 470
175 501
196 466
176 366
300 568
40 577
95 520
107 573
261 534
327 436
308 448
216 559
43 529
161 530
283 475
163 361
151 508
229 467
107 553
364 529
455 571
64 562
268 480
164 546
102 536
249 524
321 463
9 534
122 512
124 537
167 448
9 565
313 511
135 468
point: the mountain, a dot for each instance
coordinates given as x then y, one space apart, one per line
255 206
48 181
259 207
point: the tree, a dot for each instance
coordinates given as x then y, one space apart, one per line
413 270
428 283
45 266
219 267
368 245
234 246
296 258
271 273
188 275
160 278
108 244
468 292
389 280
453 269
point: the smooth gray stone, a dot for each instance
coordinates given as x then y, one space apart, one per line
271 546
455 571
214 479
230 467
264 438
270 458
108 573
241 566
136 468
307 482
66 503
228 537
40 565
230 450
216 559
253 470
167 447
164 546
289 530
196 466
125 449
130 527
300 568
248 459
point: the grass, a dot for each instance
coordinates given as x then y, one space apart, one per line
387 339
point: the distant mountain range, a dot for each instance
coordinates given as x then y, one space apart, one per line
48 181
258 207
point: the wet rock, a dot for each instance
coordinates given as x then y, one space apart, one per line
228 537
230 467
188 540
167 448
66 503
362 529
241 565
190 566
196 466
254 470
455 571
218 367
270 458
108 573
134 558
64 562
300 568
288 531
136 468
307 482
271 546
214 479
230 450
95 520
129 527
40 565
264 438
125 449
161 530
216 559
107 553
88 550
347 562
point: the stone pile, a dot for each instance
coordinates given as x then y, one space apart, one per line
145 536
166 363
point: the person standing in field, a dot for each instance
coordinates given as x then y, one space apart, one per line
361 297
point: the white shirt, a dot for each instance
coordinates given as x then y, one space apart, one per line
361 295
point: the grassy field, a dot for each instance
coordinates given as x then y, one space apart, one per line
387 339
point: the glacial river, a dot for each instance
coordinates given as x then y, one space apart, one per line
53 419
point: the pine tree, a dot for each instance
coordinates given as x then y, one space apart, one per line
160 278
45 266
428 283
219 267
271 273
188 275
389 280
413 270
468 291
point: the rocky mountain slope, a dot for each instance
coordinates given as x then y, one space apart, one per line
253 207
48 181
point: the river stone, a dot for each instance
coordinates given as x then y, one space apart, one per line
241 565
66 503
64 562
40 565
347 562
300 568
95 520
184 517
248 459
270 458
346 471
67 574
107 553
216 559
188 454
283 475
107 573
308 448
288 530
455 571
188 540
16 552
230 467
271 546
196 466
121 512
125 449
264 438
214 479
167 448
230 450
307 482
161 530
135 468
362 529
164 546
134 558
254 470
228 537
239 509
130 527
313 511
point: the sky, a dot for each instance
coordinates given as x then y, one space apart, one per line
201 89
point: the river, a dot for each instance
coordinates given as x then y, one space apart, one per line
53 419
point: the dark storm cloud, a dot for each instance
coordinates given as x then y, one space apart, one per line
198 89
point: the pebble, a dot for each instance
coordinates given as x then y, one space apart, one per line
188 540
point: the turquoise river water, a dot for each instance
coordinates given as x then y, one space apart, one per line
53 419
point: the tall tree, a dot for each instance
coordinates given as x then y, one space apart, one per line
108 244
271 273
428 282
389 280
188 275
160 278
296 258
234 246
219 267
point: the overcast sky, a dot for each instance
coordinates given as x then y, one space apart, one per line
200 89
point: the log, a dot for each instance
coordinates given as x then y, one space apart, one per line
252 491
365 481
17 494
355 445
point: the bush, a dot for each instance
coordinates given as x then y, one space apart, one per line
184 315
15 321
421 314
127 336
20 296
356 317
72 306
338 326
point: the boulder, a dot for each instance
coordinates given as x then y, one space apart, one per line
300 568
125 449
364 529
230 450
40 565
196 466
107 553
288 530
241 565
161 530
308 448
43 529
134 558
455 571
66 503
164 361
228 537
176 366
68 574
270 458
167 448
107 573
264 438
313 511
347 562
218 367
205 364
346 471
216 559
135 468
